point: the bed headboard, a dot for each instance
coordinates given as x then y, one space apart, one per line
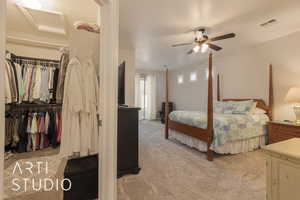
260 102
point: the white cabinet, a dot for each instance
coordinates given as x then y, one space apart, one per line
283 170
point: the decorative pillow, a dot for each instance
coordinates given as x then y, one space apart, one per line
238 107
219 107
259 111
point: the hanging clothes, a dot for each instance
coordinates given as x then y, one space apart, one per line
64 61
54 87
11 85
32 131
23 134
72 105
8 88
20 81
36 84
14 79
44 90
30 83
89 113
79 116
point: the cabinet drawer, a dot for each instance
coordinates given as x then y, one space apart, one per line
287 129
279 132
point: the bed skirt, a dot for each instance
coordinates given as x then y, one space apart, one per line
235 147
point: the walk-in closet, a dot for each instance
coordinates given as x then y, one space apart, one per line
52 83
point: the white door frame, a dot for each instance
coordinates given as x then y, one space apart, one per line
2 94
109 51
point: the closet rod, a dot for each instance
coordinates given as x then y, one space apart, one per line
34 59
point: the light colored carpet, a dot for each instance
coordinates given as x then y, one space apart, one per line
171 171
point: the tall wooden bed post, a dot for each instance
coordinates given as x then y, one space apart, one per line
167 106
271 95
210 112
206 135
218 88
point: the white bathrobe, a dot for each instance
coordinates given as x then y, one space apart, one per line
89 113
79 120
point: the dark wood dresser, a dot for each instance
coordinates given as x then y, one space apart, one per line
280 131
128 141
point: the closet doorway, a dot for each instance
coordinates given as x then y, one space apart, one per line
108 17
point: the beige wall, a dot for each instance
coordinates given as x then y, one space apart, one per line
160 89
245 75
128 55
31 51
84 45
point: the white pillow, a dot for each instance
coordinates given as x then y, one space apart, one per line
252 110
259 111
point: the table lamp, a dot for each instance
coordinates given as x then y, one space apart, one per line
293 96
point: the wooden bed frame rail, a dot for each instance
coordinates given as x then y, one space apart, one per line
206 135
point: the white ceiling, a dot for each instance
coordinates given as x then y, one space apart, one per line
152 26
60 16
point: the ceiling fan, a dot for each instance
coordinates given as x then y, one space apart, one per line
203 42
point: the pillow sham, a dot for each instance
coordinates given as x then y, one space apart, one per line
238 107
219 107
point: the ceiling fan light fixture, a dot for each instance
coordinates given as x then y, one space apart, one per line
196 48
199 35
204 48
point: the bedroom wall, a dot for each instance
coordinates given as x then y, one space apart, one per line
128 55
245 75
160 89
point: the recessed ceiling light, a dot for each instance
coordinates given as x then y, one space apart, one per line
34 4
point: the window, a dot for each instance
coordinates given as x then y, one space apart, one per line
180 79
193 76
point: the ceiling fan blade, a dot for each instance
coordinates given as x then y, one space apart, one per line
214 47
182 44
223 37
190 52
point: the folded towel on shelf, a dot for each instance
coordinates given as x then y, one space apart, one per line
90 27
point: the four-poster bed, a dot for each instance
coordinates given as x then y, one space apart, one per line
206 134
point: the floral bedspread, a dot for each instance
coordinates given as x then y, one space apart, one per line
227 127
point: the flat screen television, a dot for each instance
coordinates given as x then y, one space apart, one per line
121 84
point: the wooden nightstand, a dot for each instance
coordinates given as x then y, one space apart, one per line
280 131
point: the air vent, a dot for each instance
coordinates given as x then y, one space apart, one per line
268 23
